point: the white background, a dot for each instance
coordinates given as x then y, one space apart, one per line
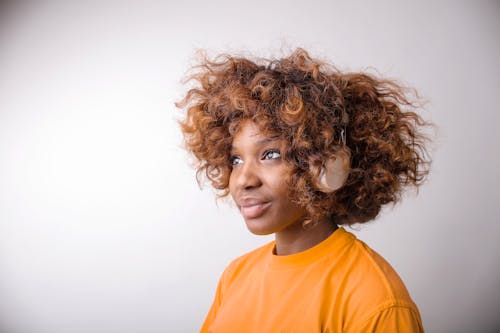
102 225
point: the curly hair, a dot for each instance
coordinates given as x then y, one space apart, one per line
317 110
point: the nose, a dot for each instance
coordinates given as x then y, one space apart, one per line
247 176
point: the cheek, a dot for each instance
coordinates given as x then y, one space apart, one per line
231 185
281 192
287 206
279 184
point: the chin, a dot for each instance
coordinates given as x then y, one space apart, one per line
259 228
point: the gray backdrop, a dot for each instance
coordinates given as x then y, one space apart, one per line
102 225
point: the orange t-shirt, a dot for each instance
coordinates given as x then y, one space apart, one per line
339 285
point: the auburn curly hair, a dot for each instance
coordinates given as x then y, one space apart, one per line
317 110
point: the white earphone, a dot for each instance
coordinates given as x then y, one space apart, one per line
334 172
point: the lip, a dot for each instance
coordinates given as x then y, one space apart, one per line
252 208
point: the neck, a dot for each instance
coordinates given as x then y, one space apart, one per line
296 238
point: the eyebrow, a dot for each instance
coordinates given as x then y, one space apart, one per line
260 142
267 140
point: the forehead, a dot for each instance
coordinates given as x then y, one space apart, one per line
249 133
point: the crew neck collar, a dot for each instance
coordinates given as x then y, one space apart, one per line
335 241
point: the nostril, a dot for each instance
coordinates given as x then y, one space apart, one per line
249 179
250 187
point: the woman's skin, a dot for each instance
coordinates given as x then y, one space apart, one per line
258 186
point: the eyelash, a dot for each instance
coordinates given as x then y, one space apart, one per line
232 159
267 153
272 151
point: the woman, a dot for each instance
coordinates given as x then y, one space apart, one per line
305 149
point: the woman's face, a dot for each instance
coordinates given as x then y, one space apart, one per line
258 182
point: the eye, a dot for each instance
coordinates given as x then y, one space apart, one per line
235 160
272 154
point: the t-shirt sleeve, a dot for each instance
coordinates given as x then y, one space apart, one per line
392 319
212 313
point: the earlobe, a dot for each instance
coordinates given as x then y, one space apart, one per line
332 175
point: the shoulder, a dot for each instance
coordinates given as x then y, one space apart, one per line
372 270
247 263
372 286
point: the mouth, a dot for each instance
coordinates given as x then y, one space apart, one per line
254 210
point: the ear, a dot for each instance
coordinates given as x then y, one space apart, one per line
333 173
